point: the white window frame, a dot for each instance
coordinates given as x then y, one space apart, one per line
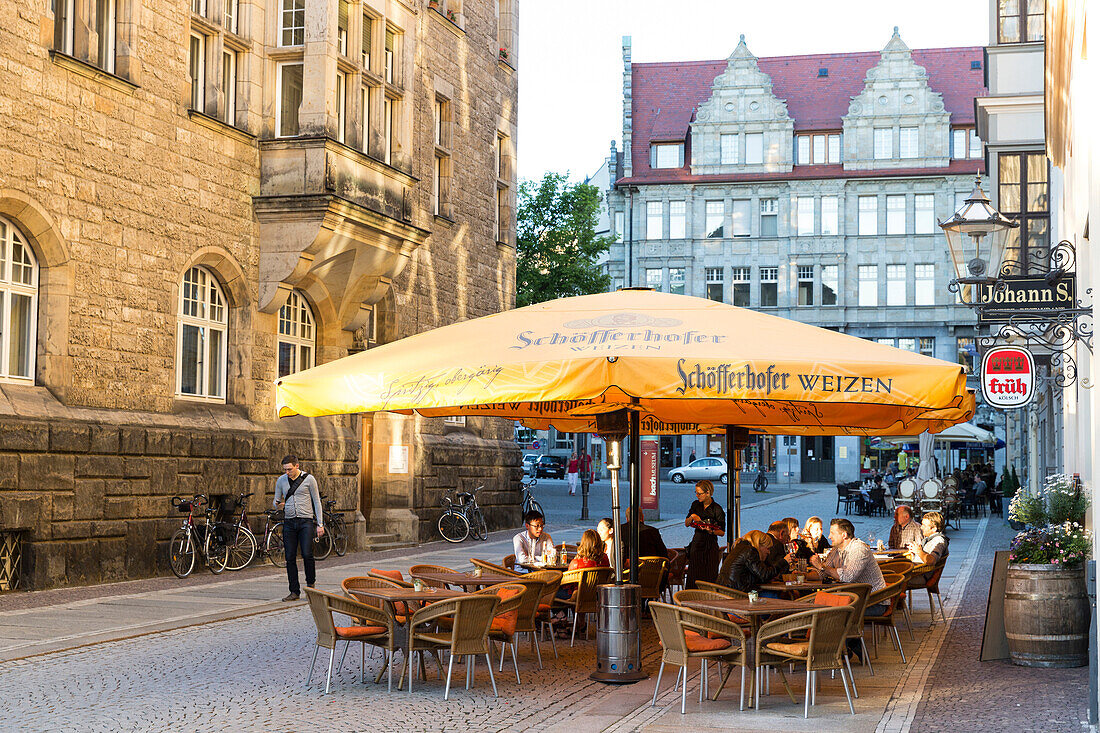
754 148
677 279
208 286
341 106
895 285
715 219
924 284
389 71
926 345
291 34
620 224
654 276
437 183
196 71
366 40
677 219
805 274
924 213
741 215
804 215
959 141
280 69
69 25
297 329
867 219
834 148
830 281
740 276
668 155
343 14
821 155
229 82
728 145
230 15
11 239
769 276
909 142
714 276
364 110
107 45
769 207
387 121
895 214
883 142
868 285
974 150
654 220
830 215
198 7
803 152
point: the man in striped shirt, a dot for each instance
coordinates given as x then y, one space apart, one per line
850 560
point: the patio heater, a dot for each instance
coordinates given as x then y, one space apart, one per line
618 635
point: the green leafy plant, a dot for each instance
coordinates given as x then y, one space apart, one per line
1054 514
1065 544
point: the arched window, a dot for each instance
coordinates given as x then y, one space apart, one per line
203 319
297 339
18 304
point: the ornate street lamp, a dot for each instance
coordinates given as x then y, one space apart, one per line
976 235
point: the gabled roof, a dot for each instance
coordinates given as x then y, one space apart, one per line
665 95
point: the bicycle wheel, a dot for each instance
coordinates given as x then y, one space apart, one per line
274 549
478 527
242 549
322 546
339 536
217 554
181 553
453 526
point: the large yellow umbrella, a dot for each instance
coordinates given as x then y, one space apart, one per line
686 364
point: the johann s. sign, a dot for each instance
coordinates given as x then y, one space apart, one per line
1008 376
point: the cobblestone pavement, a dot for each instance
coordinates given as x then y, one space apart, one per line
249 673
964 694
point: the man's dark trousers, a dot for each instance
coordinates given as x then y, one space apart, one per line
299 533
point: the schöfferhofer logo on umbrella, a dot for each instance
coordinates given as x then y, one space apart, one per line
623 331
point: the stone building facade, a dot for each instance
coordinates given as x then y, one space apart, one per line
809 187
196 197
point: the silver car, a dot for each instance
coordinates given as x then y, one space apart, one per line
699 469
529 461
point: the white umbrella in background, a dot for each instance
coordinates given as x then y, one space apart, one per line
927 468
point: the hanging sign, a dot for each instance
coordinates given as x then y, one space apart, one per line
1008 376
1026 298
651 480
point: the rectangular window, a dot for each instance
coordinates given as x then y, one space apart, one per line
830 214
925 210
1023 192
654 220
229 87
391 54
714 284
754 148
620 224
805 284
804 211
739 282
342 27
341 106
387 133
868 285
927 345
667 155
676 280
196 68
820 152
198 7
967 352
729 149
868 215
437 135
292 23
653 278
501 213
907 344
834 148
924 284
884 143
367 41
364 112
769 217
958 143
677 219
769 286
715 219
908 142
830 284
895 285
437 189
975 144
1020 21
895 214
741 214
803 156
289 99
230 15
105 29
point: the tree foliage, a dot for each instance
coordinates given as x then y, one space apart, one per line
556 242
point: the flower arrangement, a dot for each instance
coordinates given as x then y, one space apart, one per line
433 4
452 16
1053 514
503 54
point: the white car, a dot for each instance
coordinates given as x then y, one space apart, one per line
699 469
529 461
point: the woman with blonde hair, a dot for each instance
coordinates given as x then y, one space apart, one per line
709 522
814 535
746 567
590 554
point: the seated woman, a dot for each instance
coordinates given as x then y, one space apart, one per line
606 532
746 567
814 536
590 554
931 549
797 546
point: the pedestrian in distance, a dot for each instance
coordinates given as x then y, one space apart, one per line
691 458
297 495
571 473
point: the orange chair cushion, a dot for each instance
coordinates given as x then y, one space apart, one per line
358 632
506 622
703 644
392 574
544 607
821 598
797 648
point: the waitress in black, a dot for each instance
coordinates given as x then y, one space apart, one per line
703 551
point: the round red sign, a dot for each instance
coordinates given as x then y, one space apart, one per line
1008 376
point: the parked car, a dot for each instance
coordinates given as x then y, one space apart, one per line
529 461
699 469
550 467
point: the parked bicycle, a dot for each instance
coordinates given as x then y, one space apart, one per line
240 540
761 482
529 501
272 546
336 533
462 517
193 538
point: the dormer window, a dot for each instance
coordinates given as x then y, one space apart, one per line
666 155
817 149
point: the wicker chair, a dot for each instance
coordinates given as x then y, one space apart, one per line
471 617
723 589
825 629
686 634
584 599
431 569
687 595
651 571
362 582
523 598
394 575
857 594
494 568
371 625
930 583
544 619
509 562
891 595
677 570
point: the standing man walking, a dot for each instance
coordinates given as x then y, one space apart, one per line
571 474
296 493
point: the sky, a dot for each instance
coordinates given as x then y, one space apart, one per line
571 69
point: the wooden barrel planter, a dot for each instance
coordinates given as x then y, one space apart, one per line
1047 616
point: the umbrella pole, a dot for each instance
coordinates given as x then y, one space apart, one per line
614 463
635 488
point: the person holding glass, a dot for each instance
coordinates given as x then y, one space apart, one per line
709 522
532 544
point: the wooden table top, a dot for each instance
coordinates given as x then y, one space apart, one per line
409 595
806 586
547 566
745 607
463 579
897 551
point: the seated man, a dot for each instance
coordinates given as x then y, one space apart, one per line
530 544
650 542
780 555
905 530
931 548
851 560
